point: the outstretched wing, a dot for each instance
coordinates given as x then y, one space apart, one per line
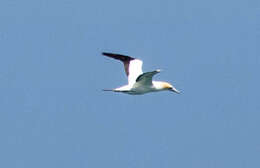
133 67
125 59
146 78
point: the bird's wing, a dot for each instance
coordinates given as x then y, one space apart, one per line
133 67
146 78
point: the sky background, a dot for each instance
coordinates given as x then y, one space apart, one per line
54 114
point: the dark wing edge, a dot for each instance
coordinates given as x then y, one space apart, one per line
124 58
118 56
147 74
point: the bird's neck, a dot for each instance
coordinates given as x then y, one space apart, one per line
159 85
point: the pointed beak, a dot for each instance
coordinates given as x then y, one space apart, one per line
174 90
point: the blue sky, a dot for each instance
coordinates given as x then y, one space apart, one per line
54 114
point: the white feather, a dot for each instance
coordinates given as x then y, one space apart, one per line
135 69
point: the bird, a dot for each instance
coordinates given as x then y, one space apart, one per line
138 82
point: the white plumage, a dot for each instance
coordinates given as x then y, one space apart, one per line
138 82
135 70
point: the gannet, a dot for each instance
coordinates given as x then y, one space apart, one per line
138 82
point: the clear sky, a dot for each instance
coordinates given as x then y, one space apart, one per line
54 114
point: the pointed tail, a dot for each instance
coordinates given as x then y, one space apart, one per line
108 90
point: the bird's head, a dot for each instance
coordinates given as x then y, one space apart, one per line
168 86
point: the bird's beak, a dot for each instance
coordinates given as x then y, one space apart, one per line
174 90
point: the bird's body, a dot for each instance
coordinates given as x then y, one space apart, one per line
138 82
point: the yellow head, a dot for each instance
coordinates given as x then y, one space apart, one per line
166 86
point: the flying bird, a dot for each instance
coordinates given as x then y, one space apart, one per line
138 82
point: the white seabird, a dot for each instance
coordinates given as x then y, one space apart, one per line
138 82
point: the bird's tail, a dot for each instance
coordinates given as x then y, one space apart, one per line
108 90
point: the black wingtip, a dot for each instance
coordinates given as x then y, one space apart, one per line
105 53
118 56
111 54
